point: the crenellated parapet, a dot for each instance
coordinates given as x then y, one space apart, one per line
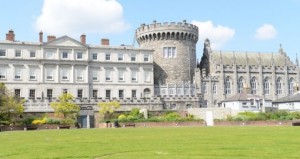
167 31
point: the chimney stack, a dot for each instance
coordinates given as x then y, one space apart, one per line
41 37
83 39
50 38
104 41
10 36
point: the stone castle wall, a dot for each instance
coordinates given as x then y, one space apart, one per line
183 37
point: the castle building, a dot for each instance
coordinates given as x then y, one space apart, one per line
161 74
221 75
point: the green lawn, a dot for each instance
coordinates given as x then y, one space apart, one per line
154 143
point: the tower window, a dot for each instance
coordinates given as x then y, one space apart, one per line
169 52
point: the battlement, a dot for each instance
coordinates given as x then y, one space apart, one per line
167 31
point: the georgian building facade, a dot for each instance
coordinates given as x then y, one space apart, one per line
47 69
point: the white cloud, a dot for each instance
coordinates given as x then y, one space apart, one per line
74 17
265 32
218 35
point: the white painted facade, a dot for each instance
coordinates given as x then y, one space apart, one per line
40 70
242 106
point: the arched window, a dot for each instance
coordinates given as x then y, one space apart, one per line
278 86
291 85
266 86
253 85
204 87
214 87
147 92
227 85
240 85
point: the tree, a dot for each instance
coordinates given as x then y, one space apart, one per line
108 108
65 107
10 106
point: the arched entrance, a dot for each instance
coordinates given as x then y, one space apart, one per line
147 93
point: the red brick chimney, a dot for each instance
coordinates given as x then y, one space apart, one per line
104 41
10 36
50 38
41 36
83 39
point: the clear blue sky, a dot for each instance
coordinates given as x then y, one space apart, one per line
248 25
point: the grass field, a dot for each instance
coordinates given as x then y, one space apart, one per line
154 143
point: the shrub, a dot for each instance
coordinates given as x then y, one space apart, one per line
4 122
27 121
132 118
134 112
67 121
122 117
39 121
173 116
52 121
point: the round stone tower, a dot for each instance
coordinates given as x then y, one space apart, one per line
174 46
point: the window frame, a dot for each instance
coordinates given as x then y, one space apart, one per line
3 73
65 55
32 73
94 56
107 56
79 57
31 52
18 53
18 73
49 93
2 53
133 57
120 57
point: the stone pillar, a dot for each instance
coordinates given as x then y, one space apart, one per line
273 90
42 73
88 121
286 82
260 82
58 73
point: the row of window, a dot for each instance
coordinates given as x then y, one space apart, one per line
79 55
266 85
65 74
32 93
253 86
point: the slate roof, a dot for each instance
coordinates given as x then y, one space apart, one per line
291 98
251 58
244 97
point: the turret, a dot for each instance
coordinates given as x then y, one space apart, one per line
174 46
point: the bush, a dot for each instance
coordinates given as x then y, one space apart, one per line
173 116
67 121
122 117
4 122
52 121
27 121
132 118
39 121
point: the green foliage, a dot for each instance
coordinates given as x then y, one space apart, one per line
172 116
10 106
65 107
169 116
275 115
67 121
27 120
52 121
122 117
108 108
134 112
